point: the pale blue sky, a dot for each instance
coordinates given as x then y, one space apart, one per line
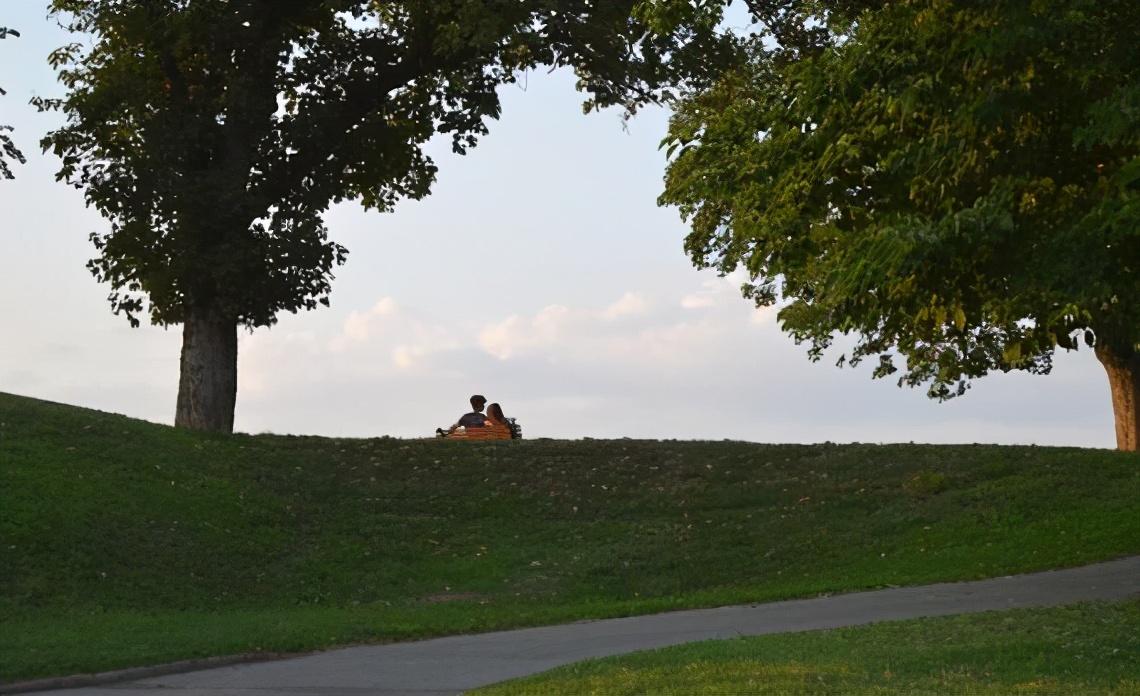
540 273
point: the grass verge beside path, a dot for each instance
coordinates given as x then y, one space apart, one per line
125 543
1083 649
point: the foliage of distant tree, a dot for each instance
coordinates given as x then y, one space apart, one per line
8 149
214 134
955 184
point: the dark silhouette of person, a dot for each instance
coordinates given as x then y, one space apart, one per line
475 419
497 418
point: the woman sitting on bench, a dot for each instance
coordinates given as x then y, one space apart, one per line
496 419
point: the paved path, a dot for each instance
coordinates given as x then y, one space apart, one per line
450 665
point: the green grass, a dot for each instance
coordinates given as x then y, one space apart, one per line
1083 649
126 543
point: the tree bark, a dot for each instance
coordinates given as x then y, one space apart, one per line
1123 369
207 386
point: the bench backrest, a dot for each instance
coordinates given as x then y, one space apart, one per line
489 432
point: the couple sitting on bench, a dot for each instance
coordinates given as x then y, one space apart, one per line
477 426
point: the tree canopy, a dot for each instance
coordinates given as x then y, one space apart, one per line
214 134
956 185
8 149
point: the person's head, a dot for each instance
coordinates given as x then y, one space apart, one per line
496 411
477 403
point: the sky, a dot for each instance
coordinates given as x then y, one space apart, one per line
540 273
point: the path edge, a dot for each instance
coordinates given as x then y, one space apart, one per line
74 681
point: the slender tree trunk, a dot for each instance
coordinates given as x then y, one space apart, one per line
1124 380
207 386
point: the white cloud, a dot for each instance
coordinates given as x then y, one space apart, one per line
262 355
724 292
697 301
764 315
515 335
716 291
360 325
404 357
628 304
560 334
501 339
387 329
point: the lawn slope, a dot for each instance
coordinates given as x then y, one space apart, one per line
125 543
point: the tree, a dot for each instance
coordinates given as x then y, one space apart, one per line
954 184
214 134
8 149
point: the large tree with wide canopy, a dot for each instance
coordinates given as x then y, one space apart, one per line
214 134
954 184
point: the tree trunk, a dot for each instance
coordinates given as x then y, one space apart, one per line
1124 380
207 386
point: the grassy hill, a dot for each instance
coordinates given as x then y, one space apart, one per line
124 542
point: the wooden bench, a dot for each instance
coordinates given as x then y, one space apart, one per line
487 432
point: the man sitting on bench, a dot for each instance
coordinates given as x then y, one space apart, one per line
475 419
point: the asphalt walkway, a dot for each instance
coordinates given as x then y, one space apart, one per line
451 665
